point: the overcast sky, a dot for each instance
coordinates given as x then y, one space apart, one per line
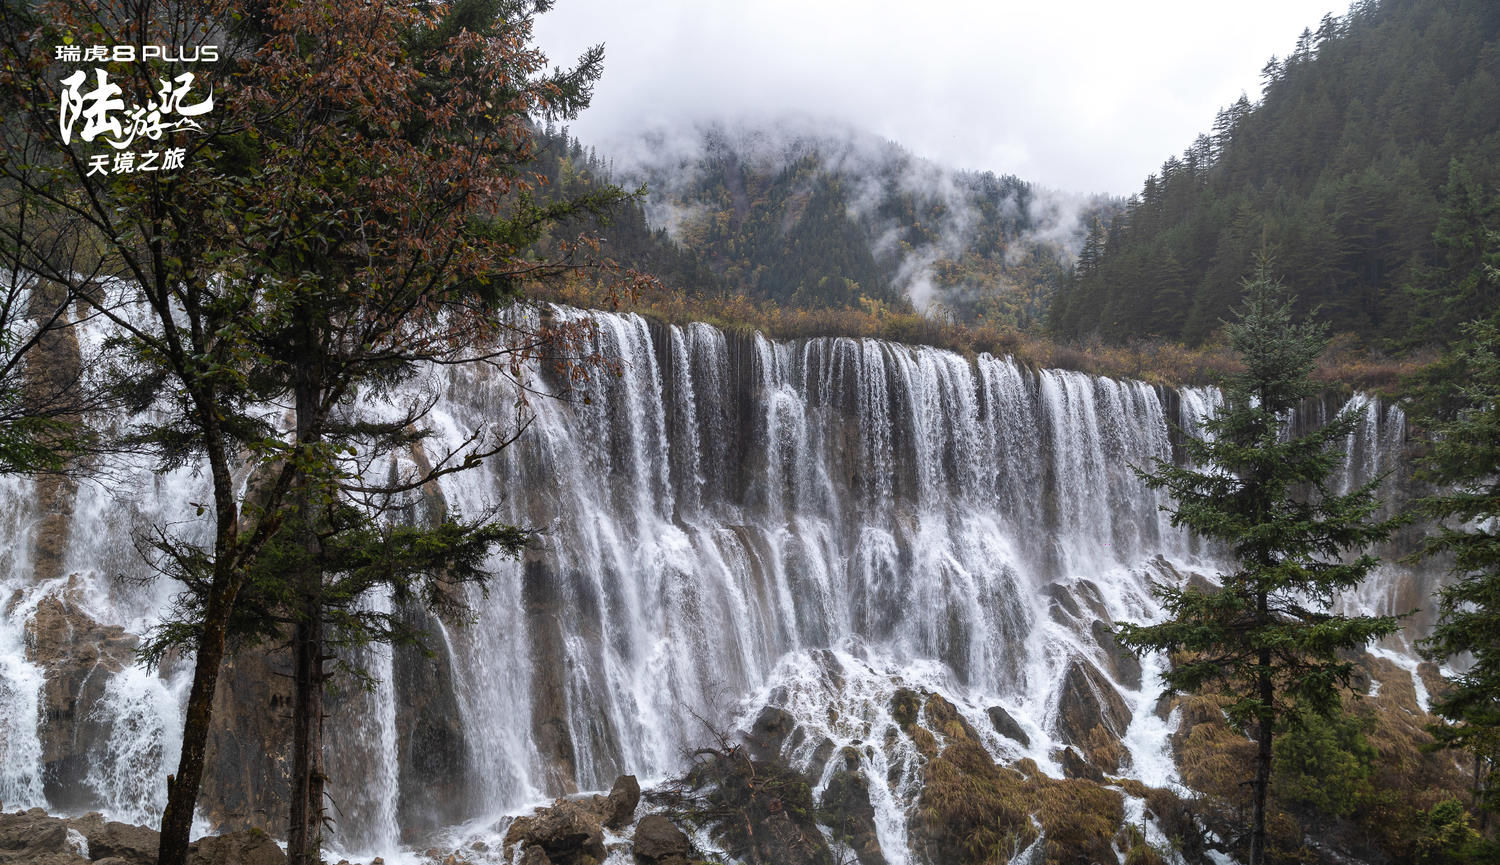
1079 95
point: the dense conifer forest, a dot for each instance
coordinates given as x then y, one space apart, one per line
1367 170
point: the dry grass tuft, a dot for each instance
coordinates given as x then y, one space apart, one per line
973 811
1150 360
1080 819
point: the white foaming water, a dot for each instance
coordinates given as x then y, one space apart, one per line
20 680
367 790
145 740
728 523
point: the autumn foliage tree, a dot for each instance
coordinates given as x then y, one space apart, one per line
353 209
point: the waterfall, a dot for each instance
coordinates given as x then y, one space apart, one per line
729 523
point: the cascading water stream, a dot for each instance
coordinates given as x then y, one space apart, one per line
20 680
731 523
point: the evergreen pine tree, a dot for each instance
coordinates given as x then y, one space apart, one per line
1465 459
1268 640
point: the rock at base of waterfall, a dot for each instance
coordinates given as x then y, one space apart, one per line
569 832
658 841
1074 766
123 841
37 838
33 836
758 810
619 807
248 847
1092 716
769 733
1007 726
973 810
967 801
846 810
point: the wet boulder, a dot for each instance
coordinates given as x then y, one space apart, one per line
1092 716
618 809
769 733
34 837
1124 666
759 811
247 847
819 761
847 812
658 841
123 841
569 832
1074 766
1007 726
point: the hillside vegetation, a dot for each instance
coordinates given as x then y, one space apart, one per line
1367 171
830 219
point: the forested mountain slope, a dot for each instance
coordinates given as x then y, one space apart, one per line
809 217
1367 170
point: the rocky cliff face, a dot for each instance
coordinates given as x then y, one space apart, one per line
78 657
729 524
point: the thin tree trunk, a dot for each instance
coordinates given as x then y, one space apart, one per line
1262 764
1479 809
182 789
304 834
1265 721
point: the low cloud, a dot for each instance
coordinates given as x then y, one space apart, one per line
869 169
1087 95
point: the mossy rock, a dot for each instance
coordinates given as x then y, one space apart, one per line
906 704
945 719
974 812
762 812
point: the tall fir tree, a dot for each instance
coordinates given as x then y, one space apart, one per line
1268 639
1465 460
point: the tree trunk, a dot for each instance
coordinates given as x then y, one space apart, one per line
305 818
228 577
1482 812
305 830
1263 733
182 789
